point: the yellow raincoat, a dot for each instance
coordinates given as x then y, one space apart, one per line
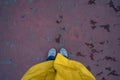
59 69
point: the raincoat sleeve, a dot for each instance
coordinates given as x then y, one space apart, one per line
41 71
71 70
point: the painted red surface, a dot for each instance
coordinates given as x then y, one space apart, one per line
88 29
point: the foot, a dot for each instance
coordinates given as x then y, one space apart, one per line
52 52
64 52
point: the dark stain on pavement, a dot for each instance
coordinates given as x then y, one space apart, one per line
108 68
99 74
80 54
106 27
23 16
90 45
102 43
93 24
103 78
58 21
111 4
92 56
109 58
113 72
58 38
63 28
94 51
90 2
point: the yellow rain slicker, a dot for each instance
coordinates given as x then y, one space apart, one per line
59 69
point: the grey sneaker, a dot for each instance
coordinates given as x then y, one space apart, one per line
52 52
64 52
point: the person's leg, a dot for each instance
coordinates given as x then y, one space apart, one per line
40 71
64 52
51 54
69 69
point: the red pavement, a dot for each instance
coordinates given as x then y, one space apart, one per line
88 29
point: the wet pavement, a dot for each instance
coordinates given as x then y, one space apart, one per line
88 29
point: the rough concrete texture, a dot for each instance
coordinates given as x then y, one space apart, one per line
88 29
